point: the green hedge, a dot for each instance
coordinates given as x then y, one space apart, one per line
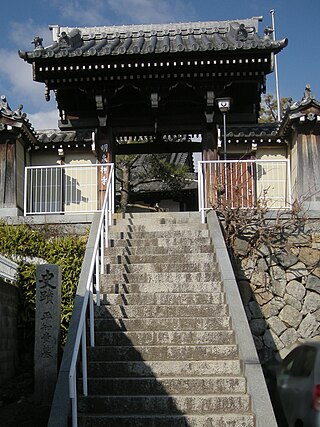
65 251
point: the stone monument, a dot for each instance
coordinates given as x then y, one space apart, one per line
47 331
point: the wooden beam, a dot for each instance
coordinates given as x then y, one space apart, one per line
163 147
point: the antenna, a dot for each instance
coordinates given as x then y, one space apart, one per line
272 11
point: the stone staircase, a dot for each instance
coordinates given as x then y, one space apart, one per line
165 352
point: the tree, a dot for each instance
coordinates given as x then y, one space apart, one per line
268 110
134 171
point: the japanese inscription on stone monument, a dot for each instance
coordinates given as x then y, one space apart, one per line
48 301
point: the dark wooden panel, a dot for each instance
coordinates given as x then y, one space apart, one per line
163 147
3 169
8 174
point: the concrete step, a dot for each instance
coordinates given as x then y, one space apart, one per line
164 337
159 250
165 287
163 352
147 268
156 217
170 324
160 386
159 241
212 420
156 278
161 311
159 258
159 234
161 298
151 226
139 338
162 368
174 404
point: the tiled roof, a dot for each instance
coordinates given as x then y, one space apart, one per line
17 119
55 136
305 111
155 39
259 130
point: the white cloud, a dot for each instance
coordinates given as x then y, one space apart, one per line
152 11
44 120
18 78
105 12
23 34
82 13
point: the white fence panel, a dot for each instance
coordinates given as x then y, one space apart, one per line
63 189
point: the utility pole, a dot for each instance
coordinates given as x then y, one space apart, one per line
272 11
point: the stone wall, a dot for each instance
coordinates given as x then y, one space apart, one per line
9 331
280 287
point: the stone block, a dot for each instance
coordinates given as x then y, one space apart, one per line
273 307
286 259
296 271
311 302
263 250
316 271
308 327
258 342
299 240
263 296
278 287
260 279
270 339
248 266
271 260
276 325
258 326
9 299
293 302
248 313
241 246
262 265
296 289
290 316
309 256
313 283
255 310
317 315
277 273
289 337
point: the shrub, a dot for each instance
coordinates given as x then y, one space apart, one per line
24 245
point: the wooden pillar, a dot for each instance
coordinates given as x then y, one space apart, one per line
106 154
8 181
210 142
308 170
210 152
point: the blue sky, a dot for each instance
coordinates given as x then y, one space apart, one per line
21 20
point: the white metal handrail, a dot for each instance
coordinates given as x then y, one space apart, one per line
243 184
61 189
96 268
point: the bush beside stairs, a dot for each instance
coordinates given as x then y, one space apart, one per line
165 352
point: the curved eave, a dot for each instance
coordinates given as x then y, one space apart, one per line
9 123
295 112
122 49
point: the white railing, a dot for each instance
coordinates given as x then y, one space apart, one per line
93 284
62 189
243 184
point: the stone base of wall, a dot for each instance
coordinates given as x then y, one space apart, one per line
9 340
280 288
